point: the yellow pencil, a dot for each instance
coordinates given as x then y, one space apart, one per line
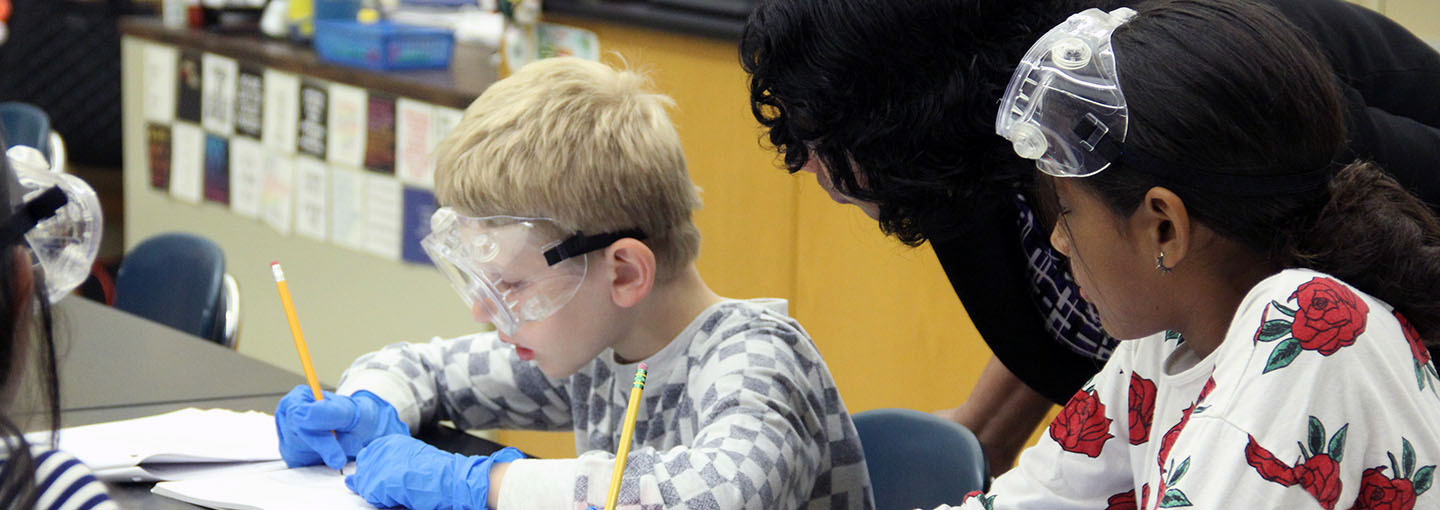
295 331
631 410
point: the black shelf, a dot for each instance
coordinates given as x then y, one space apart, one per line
651 15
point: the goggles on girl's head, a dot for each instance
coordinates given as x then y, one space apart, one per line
58 216
512 270
1063 107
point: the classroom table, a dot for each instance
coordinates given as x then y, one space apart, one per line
115 366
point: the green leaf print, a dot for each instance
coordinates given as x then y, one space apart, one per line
1420 376
1274 330
1337 443
1407 455
1174 498
1283 355
1283 309
1179 472
1317 436
1422 479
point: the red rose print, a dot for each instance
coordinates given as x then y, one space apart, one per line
969 495
1122 501
1380 492
1269 467
1142 408
1320 476
1168 441
1417 347
1330 316
1081 427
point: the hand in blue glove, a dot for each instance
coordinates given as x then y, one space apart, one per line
401 471
305 426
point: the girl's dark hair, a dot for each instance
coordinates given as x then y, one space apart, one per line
1231 87
22 343
899 94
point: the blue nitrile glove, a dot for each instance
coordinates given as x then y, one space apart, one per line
401 471
305 426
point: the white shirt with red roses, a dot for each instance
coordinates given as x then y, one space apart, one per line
1320 396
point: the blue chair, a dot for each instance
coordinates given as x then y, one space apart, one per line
28 125
919 460
179 280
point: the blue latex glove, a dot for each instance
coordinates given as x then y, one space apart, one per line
305 426
401 471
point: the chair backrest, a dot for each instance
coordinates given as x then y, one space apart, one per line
919 460
178 280
25 124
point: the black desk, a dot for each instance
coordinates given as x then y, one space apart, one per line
114 366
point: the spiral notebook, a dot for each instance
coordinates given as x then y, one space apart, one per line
304 488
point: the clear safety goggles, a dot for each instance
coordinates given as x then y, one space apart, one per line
512 270
59 216
1064 107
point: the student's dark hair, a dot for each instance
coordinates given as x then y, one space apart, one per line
1231 87
899 95
22 343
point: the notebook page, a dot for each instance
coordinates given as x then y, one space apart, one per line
184 436
304 488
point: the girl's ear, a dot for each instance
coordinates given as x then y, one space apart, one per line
632 271
1165 223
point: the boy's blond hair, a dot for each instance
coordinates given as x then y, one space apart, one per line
581 143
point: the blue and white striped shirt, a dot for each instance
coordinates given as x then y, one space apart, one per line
63 483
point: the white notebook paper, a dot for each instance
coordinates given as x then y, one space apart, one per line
304 488
181 445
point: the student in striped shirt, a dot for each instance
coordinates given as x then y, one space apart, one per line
32 475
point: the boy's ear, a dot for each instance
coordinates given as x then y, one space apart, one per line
632 271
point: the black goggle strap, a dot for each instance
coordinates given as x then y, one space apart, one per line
1115 151
580 244
30 213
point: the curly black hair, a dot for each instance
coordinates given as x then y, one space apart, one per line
898 94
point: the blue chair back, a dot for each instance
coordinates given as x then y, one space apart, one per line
178 280
25 124
919 460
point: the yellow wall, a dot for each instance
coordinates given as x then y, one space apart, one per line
882 314
1420 16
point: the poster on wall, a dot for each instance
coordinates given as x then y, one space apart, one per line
157 140
247 166
160 80
188 90
346 145
217 169
347 208
250 102
419 206
310 194
277 191
313 105
217 107
282 104
382 216
187 160
413 132
380 133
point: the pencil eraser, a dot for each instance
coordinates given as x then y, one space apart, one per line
642 366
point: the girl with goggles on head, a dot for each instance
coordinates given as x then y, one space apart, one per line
1276 297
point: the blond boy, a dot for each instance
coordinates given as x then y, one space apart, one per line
567 224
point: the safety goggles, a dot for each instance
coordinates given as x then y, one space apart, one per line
512 270
59 217
1064 107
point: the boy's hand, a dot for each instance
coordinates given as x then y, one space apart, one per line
305 426
401 471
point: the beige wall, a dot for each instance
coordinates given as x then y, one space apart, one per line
1420 16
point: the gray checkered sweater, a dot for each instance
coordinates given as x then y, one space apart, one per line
739 411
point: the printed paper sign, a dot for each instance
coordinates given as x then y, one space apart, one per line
217 169
160 82
380 133
158 141
310 194
347 208
313 119
383 216
419 206
188 87
250 102
217 110
187 151
277 192
282 111
247 167
413 130
347 126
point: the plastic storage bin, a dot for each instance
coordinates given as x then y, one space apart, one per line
383 46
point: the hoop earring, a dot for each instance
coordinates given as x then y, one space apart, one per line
1160 263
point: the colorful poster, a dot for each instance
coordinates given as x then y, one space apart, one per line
346 128
217 108
160 68
158 140
187 156
380 133
217 168
413 132
247 167
281 116
277 191
383 216
188 91
310 194
347 208
250 102
419 206
313 118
